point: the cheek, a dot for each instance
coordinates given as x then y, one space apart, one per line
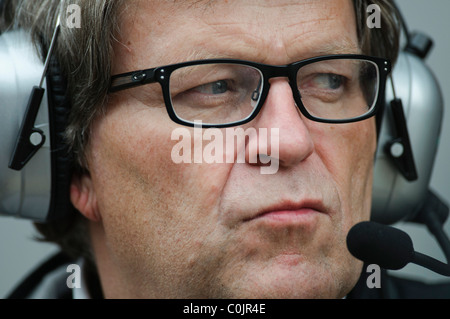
348 153
133 150
143 196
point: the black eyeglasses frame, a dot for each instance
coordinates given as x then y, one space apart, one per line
162 75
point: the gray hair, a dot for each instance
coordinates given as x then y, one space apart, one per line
86 56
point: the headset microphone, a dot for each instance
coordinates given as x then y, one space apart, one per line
388 247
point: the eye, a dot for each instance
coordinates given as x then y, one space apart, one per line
328 81
217 87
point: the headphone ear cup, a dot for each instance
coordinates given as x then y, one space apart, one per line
24 193
394 197
40 191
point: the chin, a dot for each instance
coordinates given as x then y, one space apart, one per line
299 282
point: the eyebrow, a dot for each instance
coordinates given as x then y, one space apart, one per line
344 46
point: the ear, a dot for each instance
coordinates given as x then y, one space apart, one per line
83 197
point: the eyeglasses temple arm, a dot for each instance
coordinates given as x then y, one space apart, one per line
131 79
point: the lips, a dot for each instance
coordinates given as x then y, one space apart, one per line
290 211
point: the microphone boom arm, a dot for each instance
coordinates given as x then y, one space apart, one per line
434 214
431 264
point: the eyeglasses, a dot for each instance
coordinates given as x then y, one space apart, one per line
227 92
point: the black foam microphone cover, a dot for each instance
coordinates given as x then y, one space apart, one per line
374 243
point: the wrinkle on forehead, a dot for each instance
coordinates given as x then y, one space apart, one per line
276 32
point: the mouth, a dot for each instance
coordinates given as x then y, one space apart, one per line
290 213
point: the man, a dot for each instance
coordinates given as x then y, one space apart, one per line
158 228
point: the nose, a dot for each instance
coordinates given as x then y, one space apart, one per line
281 114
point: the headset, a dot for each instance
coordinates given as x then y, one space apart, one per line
35 163
408 141
37 185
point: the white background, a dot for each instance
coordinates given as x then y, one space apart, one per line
19 252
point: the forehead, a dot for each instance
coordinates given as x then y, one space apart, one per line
156 33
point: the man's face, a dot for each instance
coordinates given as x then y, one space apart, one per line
226 230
